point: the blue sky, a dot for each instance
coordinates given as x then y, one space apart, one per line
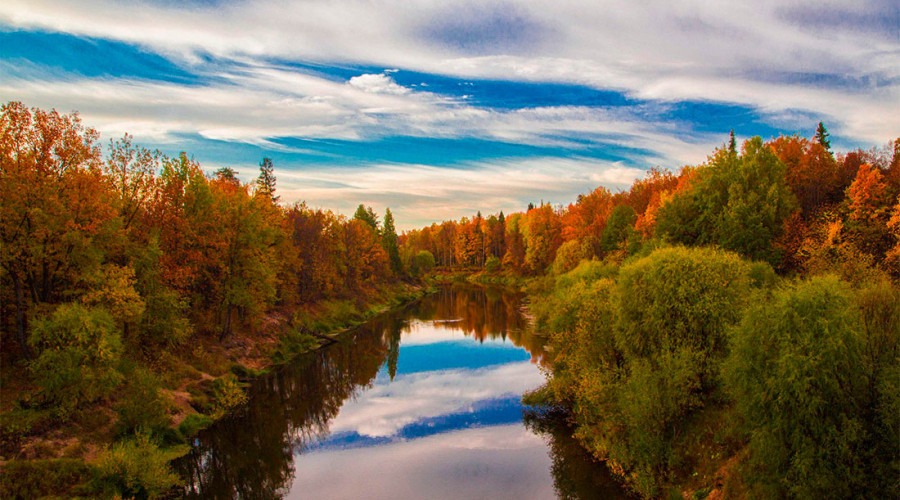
440 109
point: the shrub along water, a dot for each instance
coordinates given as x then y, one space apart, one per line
640 351
816 386
651 354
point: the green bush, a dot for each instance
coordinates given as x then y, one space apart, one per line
79 350
492 264
54 478
587 271
637 352
193 423
295 341
582 339
813 403
141 405
228 395
680 297
569 255
560 298
138 468
418 263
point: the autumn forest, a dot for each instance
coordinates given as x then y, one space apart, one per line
730 328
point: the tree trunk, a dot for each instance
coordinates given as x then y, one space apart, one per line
226 328
20 317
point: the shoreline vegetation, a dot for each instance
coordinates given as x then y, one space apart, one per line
728 331
209 388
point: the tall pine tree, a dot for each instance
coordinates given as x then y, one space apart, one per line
822 137
265 183
390 242
367 215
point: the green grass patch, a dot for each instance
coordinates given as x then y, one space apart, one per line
48 478
193 423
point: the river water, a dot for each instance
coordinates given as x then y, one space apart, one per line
423 402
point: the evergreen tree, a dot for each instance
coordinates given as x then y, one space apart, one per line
226 174
822 137
367 215
265 183
390 242
732 143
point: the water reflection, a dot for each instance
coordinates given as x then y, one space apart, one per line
505 461
420 403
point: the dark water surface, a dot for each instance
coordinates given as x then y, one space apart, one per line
424 402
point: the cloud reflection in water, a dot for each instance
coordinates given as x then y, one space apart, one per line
505 461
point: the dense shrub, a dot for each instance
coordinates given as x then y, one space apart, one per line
193 423
820 414
569 255
229 395
141 406
680 297
79 350
138 468
53 478
420 263
638 351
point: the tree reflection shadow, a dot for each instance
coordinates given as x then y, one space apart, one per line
576 474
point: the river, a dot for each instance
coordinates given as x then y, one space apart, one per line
422 402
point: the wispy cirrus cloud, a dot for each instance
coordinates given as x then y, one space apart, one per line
658 50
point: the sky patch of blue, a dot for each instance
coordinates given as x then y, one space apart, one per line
718 118
455 354
89 57
461 152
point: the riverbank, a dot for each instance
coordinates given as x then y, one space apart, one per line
191 388
682 386
479 276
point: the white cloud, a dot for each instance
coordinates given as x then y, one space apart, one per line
262 102
386 408
377 84
503 461
731 52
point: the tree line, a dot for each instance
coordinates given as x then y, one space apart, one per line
165 249
789 201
